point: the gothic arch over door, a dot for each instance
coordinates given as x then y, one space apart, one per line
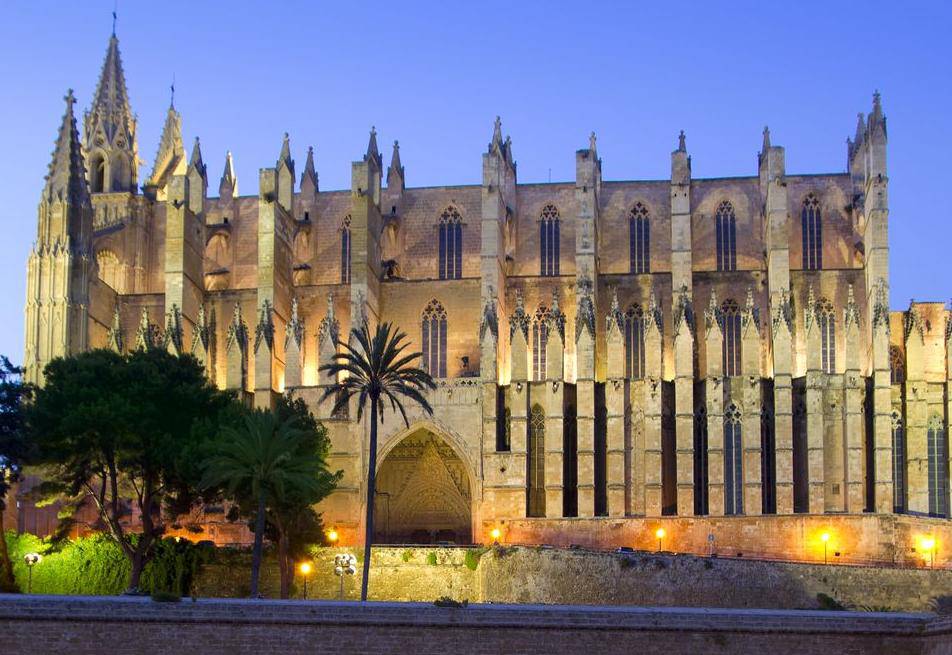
424 491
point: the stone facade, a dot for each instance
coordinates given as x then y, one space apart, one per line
689 347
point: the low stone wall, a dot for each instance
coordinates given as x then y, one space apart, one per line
546 575
853 538
93 625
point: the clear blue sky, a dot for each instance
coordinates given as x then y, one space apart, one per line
434 75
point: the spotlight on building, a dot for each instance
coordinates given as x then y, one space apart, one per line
927 544
332 536
659 533
496 533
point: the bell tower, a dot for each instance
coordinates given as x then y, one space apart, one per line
57 301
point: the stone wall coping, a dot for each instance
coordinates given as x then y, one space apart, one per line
14 607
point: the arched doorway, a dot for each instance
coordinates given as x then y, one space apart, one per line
424 493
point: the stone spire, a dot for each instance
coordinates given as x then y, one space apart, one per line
284 169
295 329
114 337
496 145
877 120
766 145
66 180
195 162
170 158
285 156
682 142
712 317
851 316
615 318
395 174
373 152
109 129
228 187
329 330
556 316
309 185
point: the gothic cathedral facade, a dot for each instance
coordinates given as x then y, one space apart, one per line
625 352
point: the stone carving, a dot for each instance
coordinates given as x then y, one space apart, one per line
653 318
750 318
173 330
615 319
115 338
712 315
585 314
881 306
329 330
683 313
295 328
490 319
147 335
851 317
264 331
556 318
783 313
913 322
519 319
204 331
237 331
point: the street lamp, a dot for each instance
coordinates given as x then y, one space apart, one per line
305 569
31 560
825 538
659 533
344 564
495 534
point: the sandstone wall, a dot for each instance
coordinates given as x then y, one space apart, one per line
81 626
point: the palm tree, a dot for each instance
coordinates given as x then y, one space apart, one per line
377 370
263 462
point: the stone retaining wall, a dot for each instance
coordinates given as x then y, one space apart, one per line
93 625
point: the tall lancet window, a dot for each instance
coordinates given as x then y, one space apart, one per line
536 463
897 367
812 234
938 468
733 462
898 463
540 337
725 228
549 240
451 244
730 326
638 238
345 250
827 324
635 343
434 339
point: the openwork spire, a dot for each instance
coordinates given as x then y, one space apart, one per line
329 330
851 316
110 125
615 318
519 319
556 317
66 180
295 329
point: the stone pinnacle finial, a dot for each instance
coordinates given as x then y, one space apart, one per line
766 145
591 141
682 145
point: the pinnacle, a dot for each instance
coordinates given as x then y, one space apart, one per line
67 171
682 145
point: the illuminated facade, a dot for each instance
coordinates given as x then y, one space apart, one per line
621 349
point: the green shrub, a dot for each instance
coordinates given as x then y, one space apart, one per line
473 555
829 603
95 565
407 554
431 559
165 597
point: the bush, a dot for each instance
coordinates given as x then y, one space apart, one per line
95 565
431 559
407 554
473 555
829 603
165 597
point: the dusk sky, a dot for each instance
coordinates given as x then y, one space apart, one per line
434 76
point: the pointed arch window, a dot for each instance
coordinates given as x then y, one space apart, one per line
549 240
345 250
536 463
898 463
725 227
897 367
827 324
733 462
700 461
638 238
451 244
938 468
635 343
812 227
730 326
434 339
540 337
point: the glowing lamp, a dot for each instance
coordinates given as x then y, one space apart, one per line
927 543
659 533
495 534
305 568
825 537
332 536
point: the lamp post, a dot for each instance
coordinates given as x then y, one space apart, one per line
825 538
31 560
305 569
659 533
344 564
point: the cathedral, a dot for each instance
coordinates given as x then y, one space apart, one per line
709 362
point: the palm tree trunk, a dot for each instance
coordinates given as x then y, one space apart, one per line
371 493
256 552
